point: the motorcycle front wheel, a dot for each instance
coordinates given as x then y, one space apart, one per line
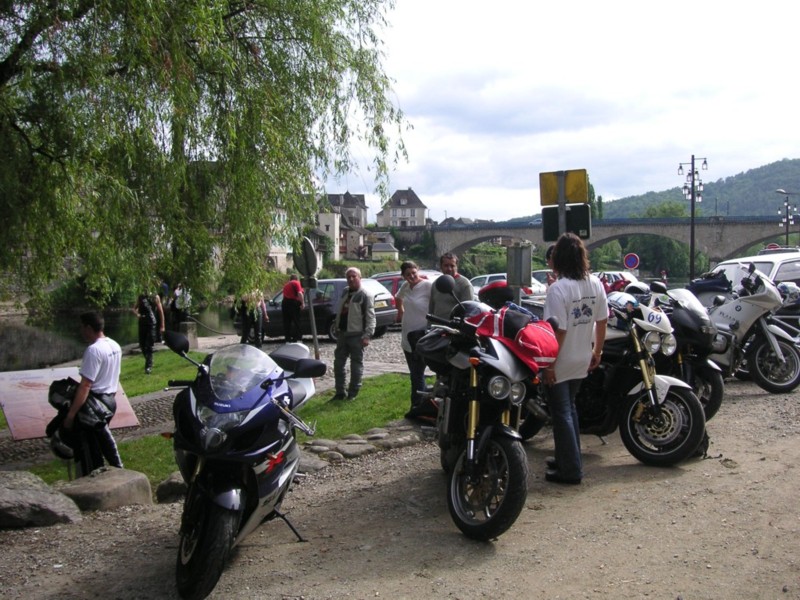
666 435
204 549
486 504
768 372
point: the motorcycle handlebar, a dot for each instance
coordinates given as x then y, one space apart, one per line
439 320
179 382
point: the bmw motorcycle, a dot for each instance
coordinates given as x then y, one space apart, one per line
749 333
235 446
486 363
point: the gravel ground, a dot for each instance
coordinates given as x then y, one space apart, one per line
379 527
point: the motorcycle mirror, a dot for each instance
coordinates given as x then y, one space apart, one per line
177 342
445 284
308 367
751 269
658 287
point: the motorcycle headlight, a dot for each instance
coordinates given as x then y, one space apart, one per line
668 344
652 341
517 393
221 421
499 387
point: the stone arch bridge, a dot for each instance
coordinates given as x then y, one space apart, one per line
718 238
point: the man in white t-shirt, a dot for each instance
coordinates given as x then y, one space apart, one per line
578 300
99 373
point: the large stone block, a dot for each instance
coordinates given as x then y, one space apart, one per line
109 488
27 501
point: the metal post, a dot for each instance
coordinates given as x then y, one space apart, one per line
691 233
562 202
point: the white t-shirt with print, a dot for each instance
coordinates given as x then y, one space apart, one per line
578 304
101 365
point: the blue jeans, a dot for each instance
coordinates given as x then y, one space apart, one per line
566 430
416 369
348 346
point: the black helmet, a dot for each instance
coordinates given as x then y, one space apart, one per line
60 448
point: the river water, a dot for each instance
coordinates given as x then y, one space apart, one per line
122 325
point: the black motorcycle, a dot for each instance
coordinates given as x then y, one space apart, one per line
660 419
694 333
482 382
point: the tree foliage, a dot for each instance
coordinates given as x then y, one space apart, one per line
177 139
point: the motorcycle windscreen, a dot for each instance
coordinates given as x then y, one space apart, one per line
235 370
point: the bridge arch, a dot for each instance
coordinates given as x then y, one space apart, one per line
718 238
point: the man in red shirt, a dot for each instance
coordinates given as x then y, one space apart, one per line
291 305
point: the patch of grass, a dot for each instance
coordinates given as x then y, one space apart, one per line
382 399
166 365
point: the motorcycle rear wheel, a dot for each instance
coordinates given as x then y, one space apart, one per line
709 386
485 507
670 436
204 550
768 372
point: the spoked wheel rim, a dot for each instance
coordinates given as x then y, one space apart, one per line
481 495
774 370
486 505
670 434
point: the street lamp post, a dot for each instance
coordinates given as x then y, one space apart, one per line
788 213
693 190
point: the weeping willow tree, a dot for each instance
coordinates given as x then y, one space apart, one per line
179 137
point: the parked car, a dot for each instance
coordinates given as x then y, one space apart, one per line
616 281
393 279
325 299
540 275
536 288
779 265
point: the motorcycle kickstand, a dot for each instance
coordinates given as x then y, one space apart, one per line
283 518
602 440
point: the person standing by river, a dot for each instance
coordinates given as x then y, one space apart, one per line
151 316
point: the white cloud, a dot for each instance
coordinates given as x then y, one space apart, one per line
499 92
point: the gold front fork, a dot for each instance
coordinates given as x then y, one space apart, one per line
473 414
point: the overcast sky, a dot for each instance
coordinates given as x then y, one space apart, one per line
498 92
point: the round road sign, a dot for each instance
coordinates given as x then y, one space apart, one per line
631 261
